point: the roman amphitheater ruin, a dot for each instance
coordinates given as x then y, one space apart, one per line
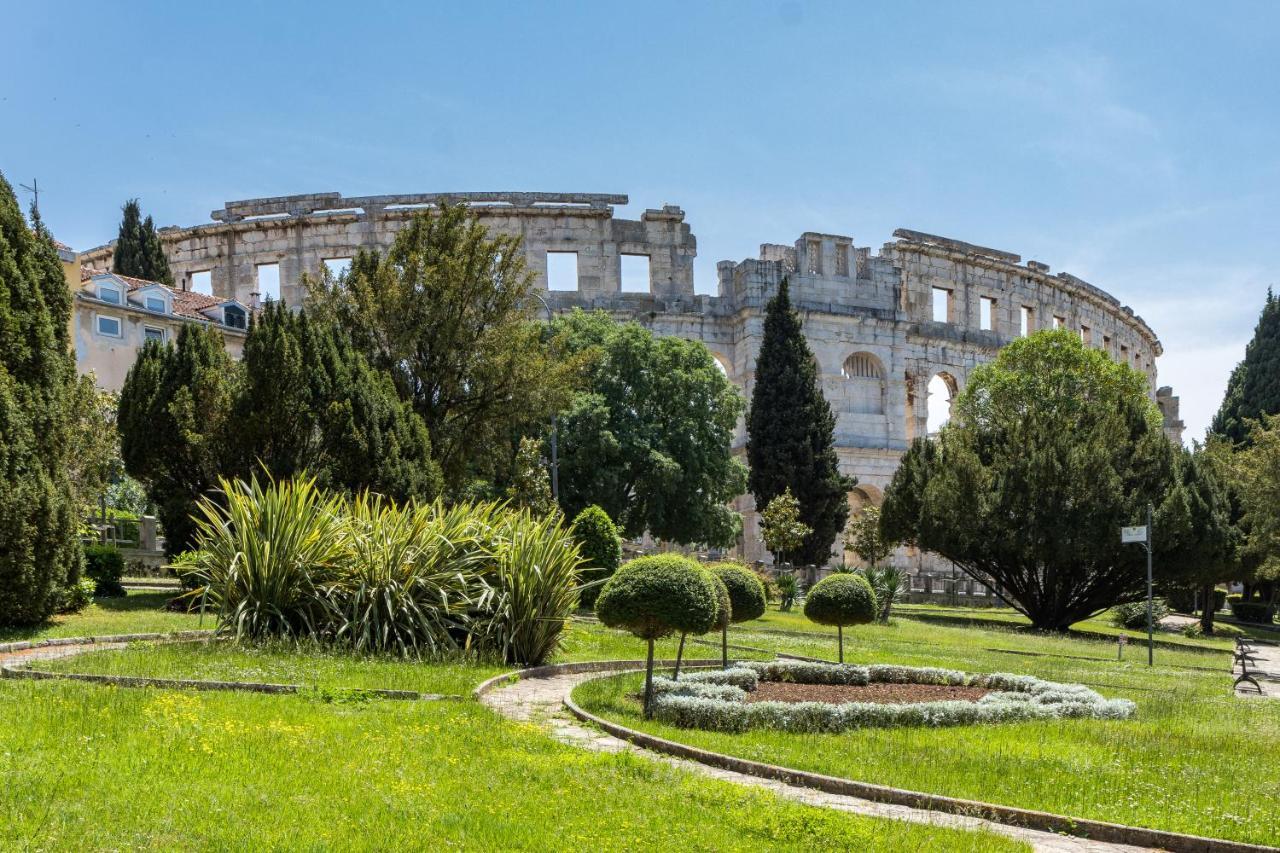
888 329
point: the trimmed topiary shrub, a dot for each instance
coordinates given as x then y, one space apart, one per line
78 596
105 565
601 549
1134 614
747 598
840 600
653 597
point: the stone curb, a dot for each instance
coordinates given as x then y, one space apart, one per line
1096 830
25 672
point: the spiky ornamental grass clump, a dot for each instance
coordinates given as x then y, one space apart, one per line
747 599
653 597
283 560
601 548
840 600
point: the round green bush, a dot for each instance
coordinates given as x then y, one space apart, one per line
724 605
599 544
842 599
655 596
105 565
747 599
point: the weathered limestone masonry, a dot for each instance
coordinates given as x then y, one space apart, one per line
870 319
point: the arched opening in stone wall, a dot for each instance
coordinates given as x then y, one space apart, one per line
942 396
866 386
721 363
859 498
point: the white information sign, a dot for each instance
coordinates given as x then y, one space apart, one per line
1133 534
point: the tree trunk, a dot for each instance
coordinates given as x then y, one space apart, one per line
679 658
648 683
840 640
724 646
1207 601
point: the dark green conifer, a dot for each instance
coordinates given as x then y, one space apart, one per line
791 433
39 552
138 251
1254 387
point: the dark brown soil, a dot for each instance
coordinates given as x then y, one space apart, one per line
885 694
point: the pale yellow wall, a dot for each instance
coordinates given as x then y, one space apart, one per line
110 358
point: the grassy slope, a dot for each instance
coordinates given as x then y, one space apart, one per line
1181 765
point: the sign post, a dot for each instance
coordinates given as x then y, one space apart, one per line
1142 536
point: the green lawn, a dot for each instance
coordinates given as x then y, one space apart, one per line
89 767
1195 759
136 613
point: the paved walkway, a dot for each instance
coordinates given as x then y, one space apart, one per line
540 701
1265 667
26 656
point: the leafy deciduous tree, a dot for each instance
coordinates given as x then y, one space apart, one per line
649 438
781 528
791 433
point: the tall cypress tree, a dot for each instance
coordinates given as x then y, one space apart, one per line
139 252
1254 387
310 402
791 433
39 552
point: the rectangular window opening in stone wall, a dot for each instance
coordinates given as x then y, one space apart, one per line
562 271
269 282
986 313
1059 322
813 249
1026 321
635 274
1086 336
337 267
941 305
202 282
842 260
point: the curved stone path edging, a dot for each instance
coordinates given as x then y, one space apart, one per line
544 695
15 661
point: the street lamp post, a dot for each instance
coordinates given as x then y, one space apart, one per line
555 429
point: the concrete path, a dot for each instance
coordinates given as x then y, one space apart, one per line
1265 667
540 701
22 657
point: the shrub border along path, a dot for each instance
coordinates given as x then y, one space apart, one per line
540 695
16 658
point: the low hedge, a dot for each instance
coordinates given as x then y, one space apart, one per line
1251 611
1013 698
1134 614
104 564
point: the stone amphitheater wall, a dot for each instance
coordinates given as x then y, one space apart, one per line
881 326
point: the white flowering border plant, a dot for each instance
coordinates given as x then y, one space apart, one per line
716 700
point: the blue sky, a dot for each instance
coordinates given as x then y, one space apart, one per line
1132 144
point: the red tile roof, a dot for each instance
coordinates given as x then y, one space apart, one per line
186 303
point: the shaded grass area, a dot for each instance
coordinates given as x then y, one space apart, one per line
1195 759
87 767
135 613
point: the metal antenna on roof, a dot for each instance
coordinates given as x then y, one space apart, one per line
34 189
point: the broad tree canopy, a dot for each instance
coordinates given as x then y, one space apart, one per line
1053 448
